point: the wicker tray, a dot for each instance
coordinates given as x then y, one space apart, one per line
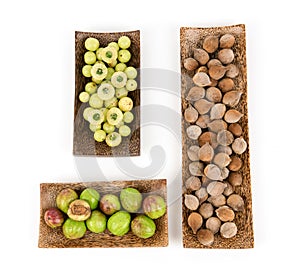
83 141
191 38
54 238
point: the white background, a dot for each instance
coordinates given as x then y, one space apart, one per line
37 87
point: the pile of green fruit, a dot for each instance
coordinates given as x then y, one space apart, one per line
117 213
109 107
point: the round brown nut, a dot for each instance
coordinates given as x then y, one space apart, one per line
202 121
201 56
193 183
232 71
206 153
206 210
193 132
215 188
227 41
190 64
203 106
212 172
214 62
217 125
235 129
205 237
213 224
201 194
235 179
226 55
232 116
226 84
235 164
228 190
193 152
222 160
191 202
217 201
209 137
239 146
217 111
191 114
211 43
213 94
225 213
201 79
225 138
232 98
195 221
236 202
195 93
217 72
228 230
196 168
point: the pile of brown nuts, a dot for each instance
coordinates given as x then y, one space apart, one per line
217 140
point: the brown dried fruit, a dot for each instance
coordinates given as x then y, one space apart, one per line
225 138
227 41
235 164
193 183
191 114
236 202
235 179
226 55
206 210
196 168
232 98
211 43
195 221
201 194
190 64
217 111
206 153
203 106
214 62
232 71
232 116
235 129
205 237
213 224
217 72
229 189
212 172
213 94
226 84
193 132
191 202
195 93
239 145
224 149
201 79
193 152
228 230
201 56
216 188
209 137
202 121
217 200
217 125
202 69
225 213
222 160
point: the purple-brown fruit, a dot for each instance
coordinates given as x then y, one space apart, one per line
154 206
53 217
109 204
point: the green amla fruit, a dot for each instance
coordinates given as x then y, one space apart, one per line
143 227
74 229
97 222
91 196
79 210
131 199
154 206
109 204
64 198
119 223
